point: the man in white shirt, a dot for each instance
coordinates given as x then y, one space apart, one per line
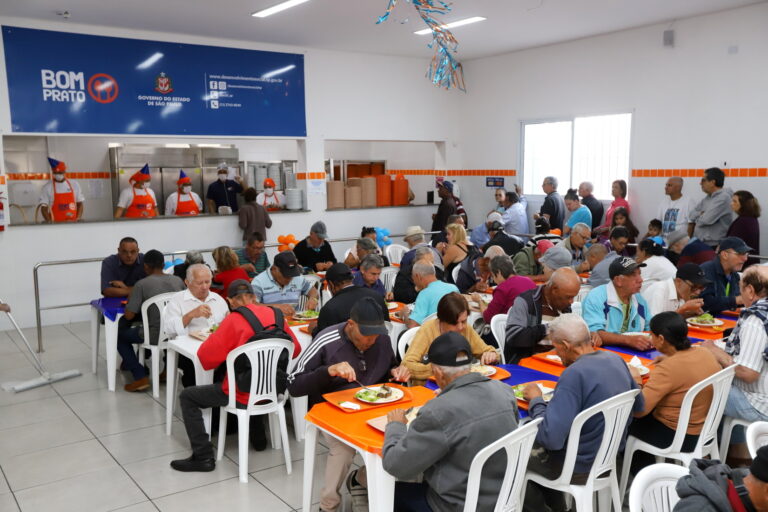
673 211
61 200
678 294
515 218
196 308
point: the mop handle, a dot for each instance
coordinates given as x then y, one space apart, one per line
39 363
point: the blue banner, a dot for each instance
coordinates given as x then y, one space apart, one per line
61 82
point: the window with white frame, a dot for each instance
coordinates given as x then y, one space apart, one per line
589 148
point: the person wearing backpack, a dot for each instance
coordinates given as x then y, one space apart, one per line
249 322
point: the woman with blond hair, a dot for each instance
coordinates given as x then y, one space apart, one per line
458 249
227 270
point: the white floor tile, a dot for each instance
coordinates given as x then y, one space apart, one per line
53 464
230 495
8 503
124 419
157 479
269 458
100 400
105 490
33 412
289 487
7 346
14 360
146 443
146 506
3 485
41 436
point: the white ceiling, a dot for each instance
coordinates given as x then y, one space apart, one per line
350 24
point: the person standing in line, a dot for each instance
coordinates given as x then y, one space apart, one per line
674 209
746 226
253 217
553 208
595 206
710 219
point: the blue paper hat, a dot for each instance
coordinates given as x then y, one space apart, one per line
142 175
57 165
183 178
145 169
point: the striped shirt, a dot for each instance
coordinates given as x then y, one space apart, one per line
753 342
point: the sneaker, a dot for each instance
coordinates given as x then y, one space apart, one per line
138 385
193 464
357 492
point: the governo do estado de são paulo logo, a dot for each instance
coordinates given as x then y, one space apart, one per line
71 86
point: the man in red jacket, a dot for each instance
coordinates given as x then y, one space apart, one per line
233 332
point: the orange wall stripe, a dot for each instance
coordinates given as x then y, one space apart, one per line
452 172
310 175
2 180
741 172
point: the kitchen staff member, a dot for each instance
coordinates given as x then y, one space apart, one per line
271 199
223 193
61 199
137 201
183 202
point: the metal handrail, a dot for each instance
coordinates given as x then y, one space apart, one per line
36 278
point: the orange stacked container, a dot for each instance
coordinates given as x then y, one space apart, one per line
383 190
400 191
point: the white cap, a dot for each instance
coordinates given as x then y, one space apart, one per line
493 216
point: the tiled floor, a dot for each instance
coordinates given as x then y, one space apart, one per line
76 446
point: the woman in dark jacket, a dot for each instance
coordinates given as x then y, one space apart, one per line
746 226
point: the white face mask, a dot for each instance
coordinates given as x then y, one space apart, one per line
58 177
186 189
222 177
269 191
145 185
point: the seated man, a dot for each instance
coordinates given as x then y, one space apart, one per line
130 328
364 247
723 273
575 243
510 243
356 350
679 294
527 330
448 432
577 390
119 272
555 258
617 307
191 258
475 274
314 252
480 236
253 258
599 275
405 290
345 295
527 259
368 275
414 237
682 249
234 331
283 285
430 292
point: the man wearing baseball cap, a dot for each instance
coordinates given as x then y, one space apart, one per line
510 243
314 252
723 291
446 208
616 308
414 237
448 432
479 235
679 294
283 285
234 331
340 356
528 260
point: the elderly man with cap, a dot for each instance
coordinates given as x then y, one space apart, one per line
679 294
480 236
615 309
129 331
283 285
253 258
510 243
119 272
137 201
414 237
343 356
446 208
575 243
314 252
723 272
61 200
527 260
447 433
271 199
237 329
590 377
712 486
222 194
555 258
527 330
183 202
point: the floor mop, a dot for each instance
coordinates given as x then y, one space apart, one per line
45 377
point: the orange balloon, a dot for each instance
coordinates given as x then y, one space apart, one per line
281 239
283 248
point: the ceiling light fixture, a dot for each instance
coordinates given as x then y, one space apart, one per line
277 8
452 24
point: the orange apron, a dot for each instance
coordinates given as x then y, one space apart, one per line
271 207
64 207
141 206
188 207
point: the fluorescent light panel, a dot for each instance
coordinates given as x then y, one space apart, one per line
452 24
277 8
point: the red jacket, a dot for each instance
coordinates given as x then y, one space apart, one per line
233 332
225 279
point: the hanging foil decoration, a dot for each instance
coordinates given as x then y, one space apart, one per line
444 70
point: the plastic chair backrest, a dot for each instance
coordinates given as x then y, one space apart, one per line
615 412
263 356
159 301
388 275
394 253
583 292
653 489
317 282
455 273
405 340
757 437
498 328
517 444
346 253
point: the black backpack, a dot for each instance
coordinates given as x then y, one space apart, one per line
275 330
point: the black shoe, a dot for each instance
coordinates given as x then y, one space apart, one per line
193 464
258 439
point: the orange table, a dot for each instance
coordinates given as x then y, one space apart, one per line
553 368
352 429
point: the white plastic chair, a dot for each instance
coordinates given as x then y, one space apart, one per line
583 292
263 356
405 340
757 437
602 476
394 253
158 301
707 443
346 253
499 328
725 439
455 273
388 275
517 444
653 489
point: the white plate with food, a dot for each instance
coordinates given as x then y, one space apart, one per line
306 315
642 370
483 369
380 423
546 392
705 320
392 305
379 394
